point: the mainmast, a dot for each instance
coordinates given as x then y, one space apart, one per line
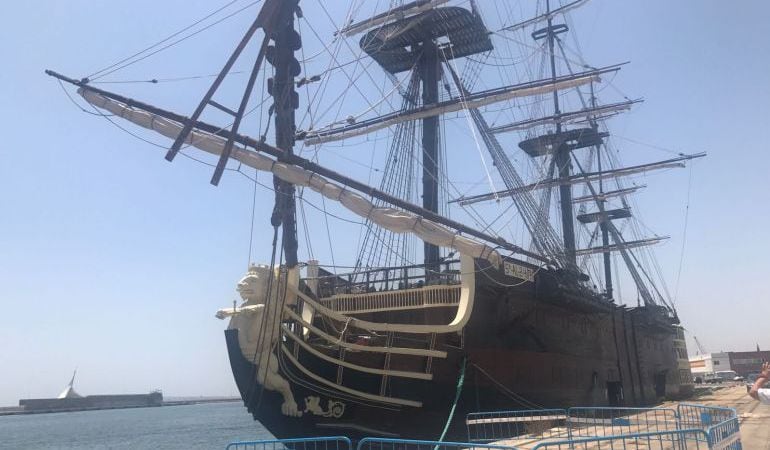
412 43
430 73
562 153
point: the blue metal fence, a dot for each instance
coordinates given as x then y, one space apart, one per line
320 443
687 427
500 425
725 435
700 416
587 422
663 440
721 424
406 444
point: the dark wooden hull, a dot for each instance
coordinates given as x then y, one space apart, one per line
525 346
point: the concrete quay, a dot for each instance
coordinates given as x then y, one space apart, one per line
754 421
753 416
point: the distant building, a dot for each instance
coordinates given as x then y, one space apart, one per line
69 400
743 363
709 363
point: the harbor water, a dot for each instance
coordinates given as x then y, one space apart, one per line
204 426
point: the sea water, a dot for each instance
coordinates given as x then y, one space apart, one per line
204 426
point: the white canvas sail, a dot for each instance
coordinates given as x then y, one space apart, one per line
518 91
392 219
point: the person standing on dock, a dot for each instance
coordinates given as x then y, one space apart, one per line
757 392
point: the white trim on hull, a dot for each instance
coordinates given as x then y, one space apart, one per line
365 395
364 348
391 373
464 309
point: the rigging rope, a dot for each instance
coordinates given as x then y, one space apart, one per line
333 55
93 113
468 114
543 235
263 331
328 233
166 39
125 62
253 213
277 320
684 239
512 395
169 79
460 382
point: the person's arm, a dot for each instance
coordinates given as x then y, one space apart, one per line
761 380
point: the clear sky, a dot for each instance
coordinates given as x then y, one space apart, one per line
114 261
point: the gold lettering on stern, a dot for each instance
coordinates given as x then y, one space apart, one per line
519 271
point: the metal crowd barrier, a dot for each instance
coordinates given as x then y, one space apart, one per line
725 435
499 425
319 443
700 416
590 422
406 444
721 424
688 427
663 440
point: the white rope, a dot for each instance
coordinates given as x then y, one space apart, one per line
344 329
471 126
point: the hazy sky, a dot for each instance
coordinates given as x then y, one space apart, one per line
114 261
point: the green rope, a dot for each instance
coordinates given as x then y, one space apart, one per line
460 382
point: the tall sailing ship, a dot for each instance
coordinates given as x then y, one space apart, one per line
512 303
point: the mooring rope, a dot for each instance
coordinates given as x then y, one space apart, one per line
460 382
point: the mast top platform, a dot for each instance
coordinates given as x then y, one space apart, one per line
396 46
603 216
569 139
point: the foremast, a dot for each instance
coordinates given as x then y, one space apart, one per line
276 19
286 102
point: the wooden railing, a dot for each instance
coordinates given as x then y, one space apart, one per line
398 300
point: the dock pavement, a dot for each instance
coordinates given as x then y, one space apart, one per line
754 418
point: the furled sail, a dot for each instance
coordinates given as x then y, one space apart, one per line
624 245
475 100
603 196
390 218
583 178
543 17
566 118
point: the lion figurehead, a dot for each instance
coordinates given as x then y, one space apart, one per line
253 286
